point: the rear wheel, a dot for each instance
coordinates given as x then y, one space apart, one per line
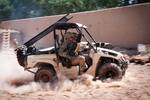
45 74
110 71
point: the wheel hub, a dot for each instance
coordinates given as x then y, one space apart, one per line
45 78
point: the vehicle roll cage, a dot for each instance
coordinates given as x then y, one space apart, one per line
79 27
62 24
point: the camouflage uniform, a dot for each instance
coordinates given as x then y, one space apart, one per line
70 48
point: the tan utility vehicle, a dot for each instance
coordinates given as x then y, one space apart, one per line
102 63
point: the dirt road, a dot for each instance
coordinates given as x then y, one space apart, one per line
134 86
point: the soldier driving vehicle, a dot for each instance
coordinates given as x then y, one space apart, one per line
74 52
70 50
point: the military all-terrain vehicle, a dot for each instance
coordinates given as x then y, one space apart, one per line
102 63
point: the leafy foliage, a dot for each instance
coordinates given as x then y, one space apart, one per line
5 8
24 8
14 9
51 7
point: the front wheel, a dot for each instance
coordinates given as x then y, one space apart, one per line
45 74
110 70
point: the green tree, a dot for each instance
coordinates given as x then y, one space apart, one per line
16 9
142 1
108 3
51 7
5 9
24 9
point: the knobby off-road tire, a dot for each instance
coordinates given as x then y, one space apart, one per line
110 70
45 74
124 70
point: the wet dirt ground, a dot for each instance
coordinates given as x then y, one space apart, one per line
134 86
